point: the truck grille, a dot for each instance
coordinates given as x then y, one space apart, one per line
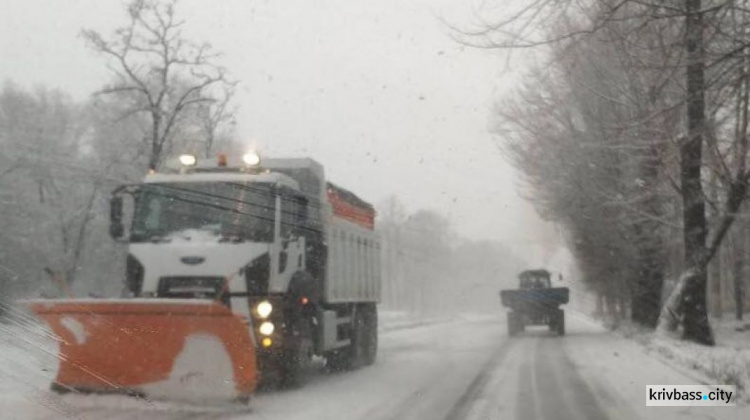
190 287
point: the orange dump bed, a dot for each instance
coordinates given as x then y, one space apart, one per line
349 207
181 349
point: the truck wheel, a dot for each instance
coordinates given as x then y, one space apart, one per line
353 355
371 334
339 360
296 357
359 338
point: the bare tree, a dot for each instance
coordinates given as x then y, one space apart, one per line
156 68
213 117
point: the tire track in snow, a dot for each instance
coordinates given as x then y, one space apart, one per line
530 377
463 406
550 388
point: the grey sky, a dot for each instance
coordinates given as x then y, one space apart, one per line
377 91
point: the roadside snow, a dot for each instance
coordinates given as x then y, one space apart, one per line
618 369
727 363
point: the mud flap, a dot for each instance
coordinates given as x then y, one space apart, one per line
159 348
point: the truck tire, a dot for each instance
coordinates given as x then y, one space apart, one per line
296 356
339 360
371 334
355 355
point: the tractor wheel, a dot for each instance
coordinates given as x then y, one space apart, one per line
557 323
561 323
513 323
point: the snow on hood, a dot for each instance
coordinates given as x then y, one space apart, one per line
194 235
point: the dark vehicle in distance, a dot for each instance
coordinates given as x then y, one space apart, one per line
535 302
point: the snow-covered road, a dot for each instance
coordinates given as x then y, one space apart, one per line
463 369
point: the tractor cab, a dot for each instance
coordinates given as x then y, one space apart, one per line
535 279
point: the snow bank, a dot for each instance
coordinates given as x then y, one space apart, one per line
726 363
617 367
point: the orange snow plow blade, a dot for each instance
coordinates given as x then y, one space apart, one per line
158 348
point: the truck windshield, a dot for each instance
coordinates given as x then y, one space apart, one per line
221 211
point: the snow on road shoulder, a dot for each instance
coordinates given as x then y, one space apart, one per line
618 369
726 363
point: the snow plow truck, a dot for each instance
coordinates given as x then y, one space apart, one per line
237 271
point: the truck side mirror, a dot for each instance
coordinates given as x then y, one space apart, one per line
116 228
560 277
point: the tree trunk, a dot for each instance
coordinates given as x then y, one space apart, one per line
715 266
646 295
156 141
738 273
80 242
695 321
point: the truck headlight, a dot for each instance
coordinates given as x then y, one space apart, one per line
266 328
251 159
188 160
264 309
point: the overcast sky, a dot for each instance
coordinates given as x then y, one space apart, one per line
377 91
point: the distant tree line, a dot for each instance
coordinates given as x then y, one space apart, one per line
429 270
633 134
